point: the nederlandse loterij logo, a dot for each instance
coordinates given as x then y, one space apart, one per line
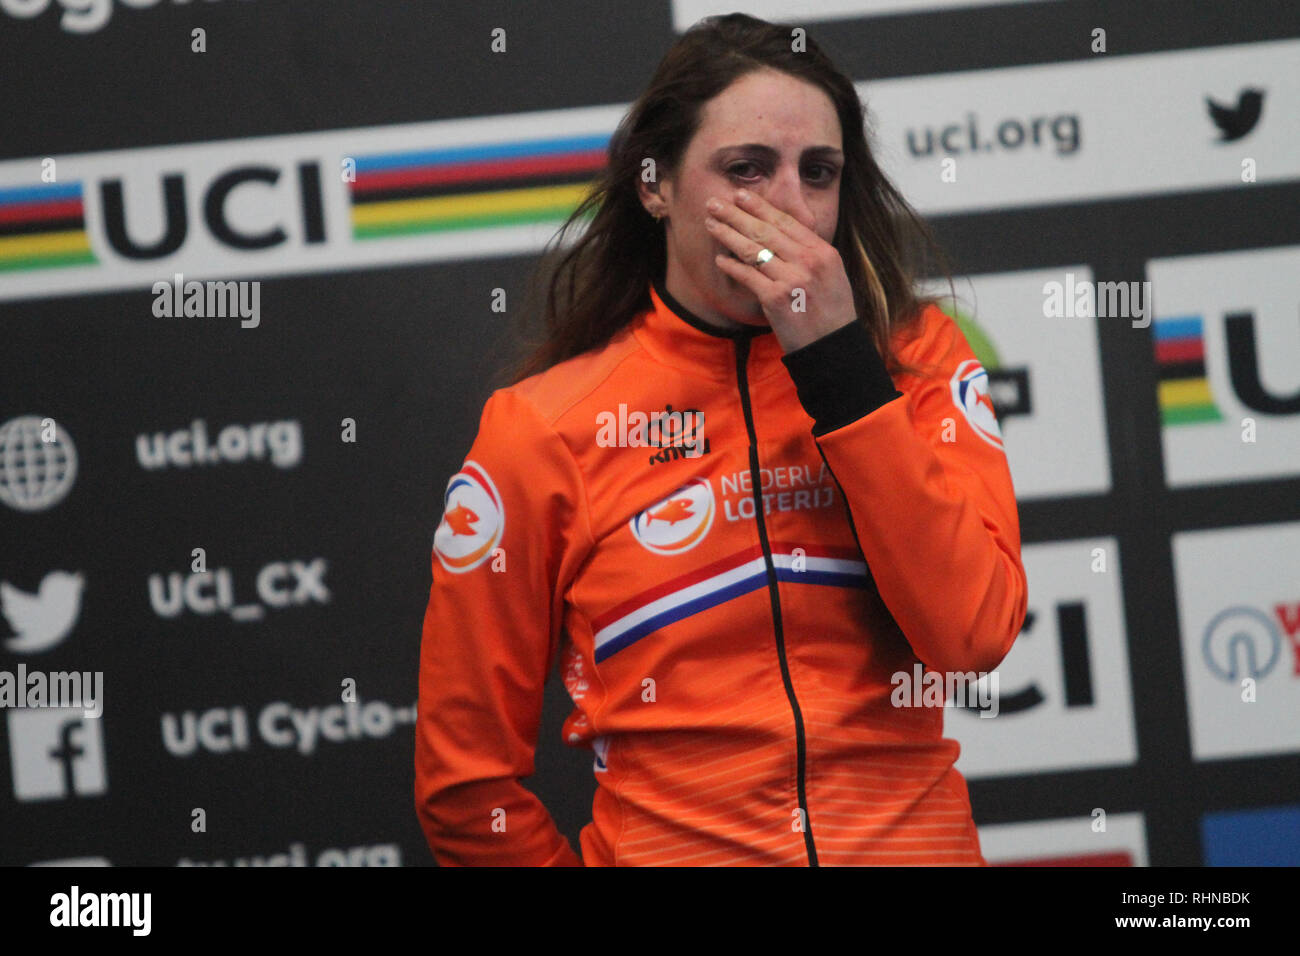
970 393
473 520
678 522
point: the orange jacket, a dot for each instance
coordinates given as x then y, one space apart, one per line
728 627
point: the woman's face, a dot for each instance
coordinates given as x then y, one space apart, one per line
768 133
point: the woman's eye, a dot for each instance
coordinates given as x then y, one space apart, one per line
820 173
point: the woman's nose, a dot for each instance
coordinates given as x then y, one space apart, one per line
786 192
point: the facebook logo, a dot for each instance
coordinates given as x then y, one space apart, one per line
56 753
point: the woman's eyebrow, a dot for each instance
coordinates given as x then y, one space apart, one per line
767 152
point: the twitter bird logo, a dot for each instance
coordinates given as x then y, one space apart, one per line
41 620
1236 122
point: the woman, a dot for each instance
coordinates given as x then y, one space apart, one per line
747 479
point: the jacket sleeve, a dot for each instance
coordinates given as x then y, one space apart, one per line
514 527
927 484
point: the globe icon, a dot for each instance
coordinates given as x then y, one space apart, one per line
35 474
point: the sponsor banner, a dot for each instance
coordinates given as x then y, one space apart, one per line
686 12
175 219
1044 378
1269 836
1107 127
183 220
1064 692
1239 617
1227 354
1115 839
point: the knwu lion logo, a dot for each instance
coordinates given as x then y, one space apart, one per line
970 393
473 520
987 384
678 522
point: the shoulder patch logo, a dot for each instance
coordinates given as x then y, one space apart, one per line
970 393
678 522
473 520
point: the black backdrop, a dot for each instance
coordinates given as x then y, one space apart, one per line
407 351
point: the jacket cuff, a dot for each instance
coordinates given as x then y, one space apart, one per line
840 377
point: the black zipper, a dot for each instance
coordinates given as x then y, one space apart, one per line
742 380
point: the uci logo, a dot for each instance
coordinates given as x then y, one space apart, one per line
678 522
473 520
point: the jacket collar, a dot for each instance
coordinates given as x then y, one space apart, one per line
677 337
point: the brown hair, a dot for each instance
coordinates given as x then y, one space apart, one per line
598 285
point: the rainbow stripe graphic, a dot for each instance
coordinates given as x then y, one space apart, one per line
470 187
42 227
1184 389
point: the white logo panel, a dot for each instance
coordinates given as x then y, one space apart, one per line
1064 693
687 12
1206 395
1239 617
1073 841
1044 379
